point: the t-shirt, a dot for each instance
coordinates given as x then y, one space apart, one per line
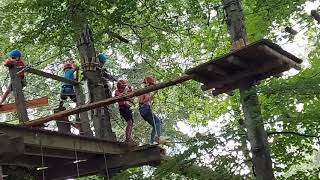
122 103
145 99
69 74
18 62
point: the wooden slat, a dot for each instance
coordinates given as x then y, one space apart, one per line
244 74
48 75
11 107
64 142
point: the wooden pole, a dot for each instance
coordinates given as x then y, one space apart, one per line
256 133
1 173
84 118
18 94
315 15
98 104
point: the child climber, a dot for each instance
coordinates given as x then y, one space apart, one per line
145 102
15 59
125 108
67 89
106 77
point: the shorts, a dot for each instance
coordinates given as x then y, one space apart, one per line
68 91
23 83
126 113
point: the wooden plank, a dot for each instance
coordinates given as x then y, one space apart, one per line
108 101
10 147
96 165
48 75
18 94
11 107
279 56
70 142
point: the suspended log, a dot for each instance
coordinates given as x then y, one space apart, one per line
109 101
11 107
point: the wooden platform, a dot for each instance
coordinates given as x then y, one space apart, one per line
254 62
26 147
11 107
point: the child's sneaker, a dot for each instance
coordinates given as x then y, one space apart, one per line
163 140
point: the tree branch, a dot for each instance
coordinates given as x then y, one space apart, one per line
292 133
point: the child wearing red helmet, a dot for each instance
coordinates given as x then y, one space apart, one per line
15 59
67 89
145 101
125 108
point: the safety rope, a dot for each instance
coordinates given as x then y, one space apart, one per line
76 161
105 163
42 168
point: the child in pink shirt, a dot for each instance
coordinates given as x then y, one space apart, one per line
125 109
146 112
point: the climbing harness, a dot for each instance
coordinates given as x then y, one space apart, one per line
42 168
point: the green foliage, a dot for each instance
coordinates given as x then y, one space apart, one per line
166 38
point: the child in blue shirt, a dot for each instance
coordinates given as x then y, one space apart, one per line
67 89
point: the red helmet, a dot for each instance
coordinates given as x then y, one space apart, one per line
121 84
67 66
149 80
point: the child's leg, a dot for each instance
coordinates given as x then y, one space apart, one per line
153 120
157 125
129 131
126 114
153 134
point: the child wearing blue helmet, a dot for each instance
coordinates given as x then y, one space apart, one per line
14 59
106 76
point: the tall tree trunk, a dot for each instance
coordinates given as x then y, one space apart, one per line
256 133
83 35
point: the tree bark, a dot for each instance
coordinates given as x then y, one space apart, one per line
256 133
85 45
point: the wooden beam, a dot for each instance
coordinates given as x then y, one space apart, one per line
48 75
236 62
10 147
109 101
11 107
70 142
146 156
215 69
279 56
18 94
315 15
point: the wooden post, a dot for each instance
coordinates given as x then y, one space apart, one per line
63 123
84 118
256 133
1 173
315 15
18 94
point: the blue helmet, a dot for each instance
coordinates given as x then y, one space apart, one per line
15 54
102 57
